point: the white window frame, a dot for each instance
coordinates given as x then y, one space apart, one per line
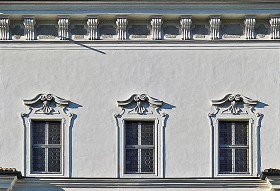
252 152
158 118
47 146
56 112
232 147
140 146
236 110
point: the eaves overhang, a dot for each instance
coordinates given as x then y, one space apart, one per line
177 7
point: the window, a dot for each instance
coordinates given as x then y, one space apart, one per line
139 147
233 147
140 129
47 136
235 124
46 147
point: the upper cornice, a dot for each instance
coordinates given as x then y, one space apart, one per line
141 7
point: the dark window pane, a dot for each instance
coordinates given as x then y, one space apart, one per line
147 163
38 162
147 133
225 160
131 160
38 132
241 160
54 160
131 133
54 132
241 133
225 133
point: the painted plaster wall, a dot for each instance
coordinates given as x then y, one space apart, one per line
95 76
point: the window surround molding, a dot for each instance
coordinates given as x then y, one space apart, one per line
141 107
47 107
235 107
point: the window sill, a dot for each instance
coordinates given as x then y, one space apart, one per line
140 176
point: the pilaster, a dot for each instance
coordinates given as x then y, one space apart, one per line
215 23
186 23
121 28
249 27
92 24
63 23
29 32
275 24
4 28
156 28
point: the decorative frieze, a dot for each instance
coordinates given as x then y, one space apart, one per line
275 24
185 29
63 28
156 28
29 31
4 28
215 23
186 23
93 28
249 27
121 28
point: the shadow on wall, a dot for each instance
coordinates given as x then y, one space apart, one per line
72 105
85 46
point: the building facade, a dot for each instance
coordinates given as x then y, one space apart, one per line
139 95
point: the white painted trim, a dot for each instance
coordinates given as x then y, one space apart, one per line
245 114
58 115
151 114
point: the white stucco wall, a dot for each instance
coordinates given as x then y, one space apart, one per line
95 76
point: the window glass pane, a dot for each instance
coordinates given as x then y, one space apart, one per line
241 133
38 162
147 133
225 160
54 160
147 160
38 132
131 133
241 160
225 133
131 160
54 132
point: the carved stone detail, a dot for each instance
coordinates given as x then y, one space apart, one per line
275 24
63 28
138 103
93 28
233 104
29 31
4 28
156 28
121 28
186 23
215 23
249 24
46 103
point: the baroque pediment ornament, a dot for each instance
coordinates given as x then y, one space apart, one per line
46 104
140 103
235 104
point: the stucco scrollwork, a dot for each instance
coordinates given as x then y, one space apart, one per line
140 103
235 104
46 103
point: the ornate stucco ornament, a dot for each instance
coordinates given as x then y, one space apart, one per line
46 103
138 103
233 103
